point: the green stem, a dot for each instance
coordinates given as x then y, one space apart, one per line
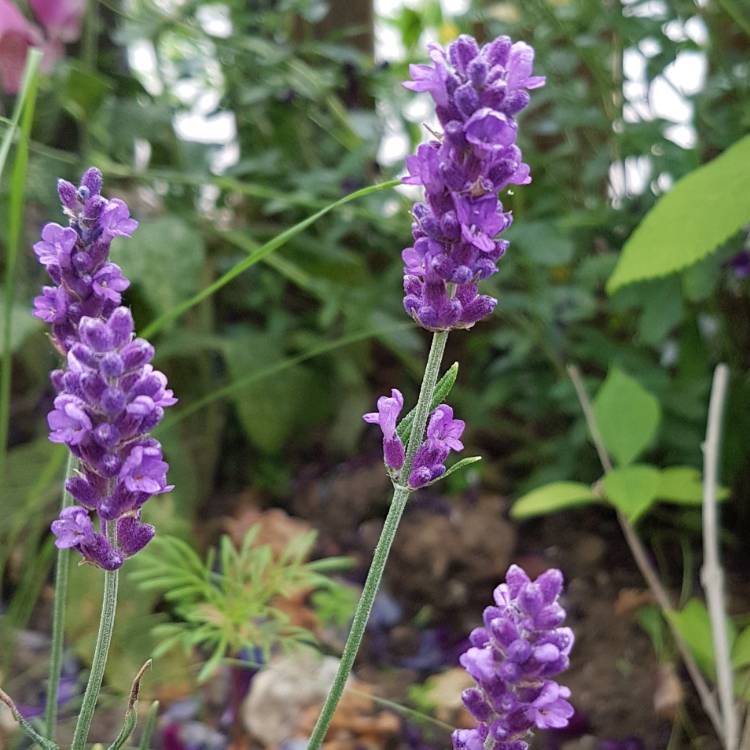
383 548
58 618
103 639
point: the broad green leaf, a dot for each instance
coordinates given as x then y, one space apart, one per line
703 210
442 388
542 243
22 323
741 650
551 498
165 258
683 485
694 625
270 410
632 489
627 415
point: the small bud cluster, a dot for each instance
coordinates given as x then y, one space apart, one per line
477 92
109 395
443 435
512 659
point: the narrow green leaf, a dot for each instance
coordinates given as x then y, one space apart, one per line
683 485
442 388
627 415
16 203
149 726
674 234
28 84
458 466
256 256
551 498
632 489
276 367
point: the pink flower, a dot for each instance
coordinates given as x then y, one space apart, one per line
60 18
16 36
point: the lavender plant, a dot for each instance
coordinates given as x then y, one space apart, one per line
478 91
109 397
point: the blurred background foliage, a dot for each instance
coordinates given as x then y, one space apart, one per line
223 124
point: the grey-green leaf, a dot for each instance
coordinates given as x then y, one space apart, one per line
551 498
702 211
627 414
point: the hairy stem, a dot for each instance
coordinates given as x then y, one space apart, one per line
644 564
58 618
712 575
383 548
103 639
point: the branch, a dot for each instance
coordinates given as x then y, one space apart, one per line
712 575
644 564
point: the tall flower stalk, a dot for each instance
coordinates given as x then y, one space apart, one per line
477 93
109 398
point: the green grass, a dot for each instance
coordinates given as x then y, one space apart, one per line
24 110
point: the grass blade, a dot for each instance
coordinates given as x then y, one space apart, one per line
277 367
257 255
25 110
30 73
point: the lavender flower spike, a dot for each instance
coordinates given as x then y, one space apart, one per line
512 659
109 395
477 92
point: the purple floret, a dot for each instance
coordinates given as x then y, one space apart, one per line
386 416
513 659
109 395
477 93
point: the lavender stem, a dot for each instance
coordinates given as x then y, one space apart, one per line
383 548
58 617
99 662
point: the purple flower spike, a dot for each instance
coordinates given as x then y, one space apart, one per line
387 416
477 93
512 659
109 395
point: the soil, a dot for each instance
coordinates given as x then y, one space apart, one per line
449 555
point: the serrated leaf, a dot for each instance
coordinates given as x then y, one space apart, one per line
632 489
627 415
683 485
694 625
165 258
703 210
271 409
442 388
551 498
